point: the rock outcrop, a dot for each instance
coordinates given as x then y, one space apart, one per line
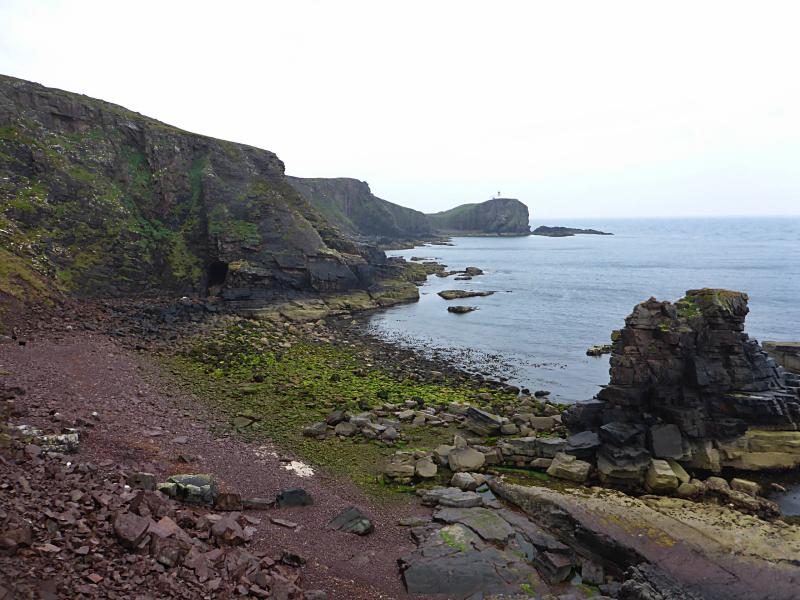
498 216
99 200
565 231
687 384
350 205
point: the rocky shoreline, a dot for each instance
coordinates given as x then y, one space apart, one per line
393 421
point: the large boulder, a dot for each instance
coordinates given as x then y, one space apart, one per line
465 459
567 466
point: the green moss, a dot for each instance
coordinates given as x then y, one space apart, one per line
451 541
235 371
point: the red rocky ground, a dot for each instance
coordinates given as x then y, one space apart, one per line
144 424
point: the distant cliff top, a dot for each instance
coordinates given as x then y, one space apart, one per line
498 216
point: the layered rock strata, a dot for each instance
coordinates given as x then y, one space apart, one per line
687 384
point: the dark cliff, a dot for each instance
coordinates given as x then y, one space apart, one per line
97 200
498 216
350 204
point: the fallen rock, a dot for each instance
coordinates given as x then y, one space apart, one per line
352 520
293 497
567 466
465 459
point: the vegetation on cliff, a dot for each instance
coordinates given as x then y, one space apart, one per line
96 199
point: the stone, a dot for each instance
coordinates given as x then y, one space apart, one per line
227 532
228 501
130 529
464 481
487 523
390 434
660 478
509 429
293 497
620 433
450 496
482 423
425 468
679 471
583 444
592 573
193 488
345 429
442 452
459 294
142 481
745 485
543 423
461 309
717 484
549 447
541 463
567 466
666 441
335 417
402 465
465 459
258 503
352 520
316 430
690 489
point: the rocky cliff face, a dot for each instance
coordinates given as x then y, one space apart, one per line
97 199
498 216
350 205
688 384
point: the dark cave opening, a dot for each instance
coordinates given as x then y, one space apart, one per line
217 272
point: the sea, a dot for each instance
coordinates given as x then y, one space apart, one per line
556 297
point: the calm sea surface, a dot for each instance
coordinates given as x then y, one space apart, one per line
555 297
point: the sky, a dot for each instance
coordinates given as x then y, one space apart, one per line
579 109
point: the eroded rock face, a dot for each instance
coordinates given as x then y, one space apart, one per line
686 384
121 203
499 216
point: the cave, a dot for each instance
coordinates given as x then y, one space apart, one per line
217 273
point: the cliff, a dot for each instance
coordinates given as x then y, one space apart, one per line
98 200
350 205
498 216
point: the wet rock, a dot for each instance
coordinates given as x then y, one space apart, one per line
567 466
352 520
293 497
458 294
599 350
461 310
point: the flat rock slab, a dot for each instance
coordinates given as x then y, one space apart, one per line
708 551
485 522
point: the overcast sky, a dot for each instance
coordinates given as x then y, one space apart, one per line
579 109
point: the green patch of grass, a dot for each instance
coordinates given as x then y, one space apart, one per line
288 389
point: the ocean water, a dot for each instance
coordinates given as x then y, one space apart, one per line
555 297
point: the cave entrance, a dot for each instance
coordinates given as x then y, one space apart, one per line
217 273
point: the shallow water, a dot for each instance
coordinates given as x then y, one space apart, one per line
555 297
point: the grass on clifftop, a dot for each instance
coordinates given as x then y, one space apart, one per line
244 370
